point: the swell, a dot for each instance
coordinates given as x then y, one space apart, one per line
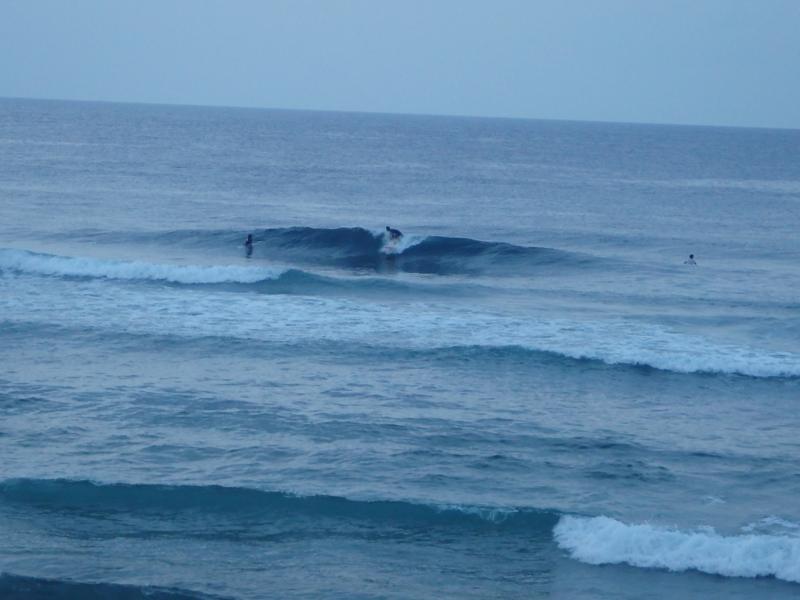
85 497
359 249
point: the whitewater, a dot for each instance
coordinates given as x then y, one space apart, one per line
530 396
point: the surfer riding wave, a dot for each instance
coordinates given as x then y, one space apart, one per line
394 234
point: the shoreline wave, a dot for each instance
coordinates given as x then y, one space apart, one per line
595 540
603 540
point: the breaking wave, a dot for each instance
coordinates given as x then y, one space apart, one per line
602 540
271 280
593 540
360 249
67 266
442 330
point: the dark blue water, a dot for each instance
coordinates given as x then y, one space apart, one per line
529 395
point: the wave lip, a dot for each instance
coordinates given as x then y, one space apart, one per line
602 540
67 266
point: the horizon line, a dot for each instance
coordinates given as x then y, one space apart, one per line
399 114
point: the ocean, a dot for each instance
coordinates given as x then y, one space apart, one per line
529 395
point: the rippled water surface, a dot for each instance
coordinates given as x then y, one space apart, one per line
529 395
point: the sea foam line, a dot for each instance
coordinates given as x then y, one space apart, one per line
414 326
66 266
602 540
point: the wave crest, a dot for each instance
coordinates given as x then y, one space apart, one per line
358 248
361 249
602 540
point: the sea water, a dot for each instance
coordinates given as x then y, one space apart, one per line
531 396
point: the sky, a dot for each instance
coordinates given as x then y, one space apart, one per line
709 62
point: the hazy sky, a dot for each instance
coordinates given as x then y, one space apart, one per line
726 62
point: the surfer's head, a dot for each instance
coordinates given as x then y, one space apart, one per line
388 228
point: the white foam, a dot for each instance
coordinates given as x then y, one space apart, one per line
623 342
602 540
773 524
61 266
492 514
398 246
417 326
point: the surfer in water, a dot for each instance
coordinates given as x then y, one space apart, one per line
394 234
690 260
248 245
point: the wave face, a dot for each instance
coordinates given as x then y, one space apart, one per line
602 540
359 249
